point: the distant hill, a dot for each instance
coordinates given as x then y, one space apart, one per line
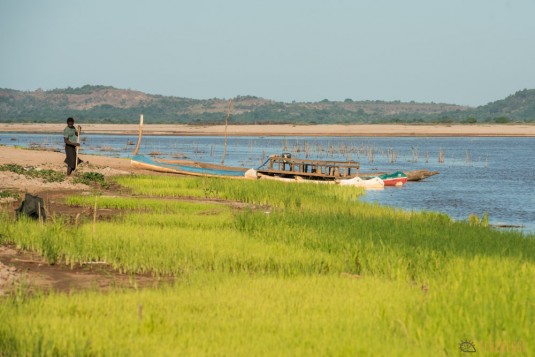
105 104
517 107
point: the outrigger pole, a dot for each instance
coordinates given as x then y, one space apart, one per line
140 134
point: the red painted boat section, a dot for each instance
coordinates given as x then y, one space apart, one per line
400 181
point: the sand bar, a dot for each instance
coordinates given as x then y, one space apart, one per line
518 130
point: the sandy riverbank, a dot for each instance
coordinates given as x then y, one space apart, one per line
54 160
516 130
108 166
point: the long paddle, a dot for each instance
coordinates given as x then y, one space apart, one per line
78 147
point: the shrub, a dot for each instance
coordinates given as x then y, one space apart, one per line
91 179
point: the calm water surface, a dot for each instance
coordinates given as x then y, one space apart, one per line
493 175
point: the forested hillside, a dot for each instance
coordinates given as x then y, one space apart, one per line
518 107
105 104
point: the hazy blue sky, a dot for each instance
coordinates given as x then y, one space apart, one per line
456 51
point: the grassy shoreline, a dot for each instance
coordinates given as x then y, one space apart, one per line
303 269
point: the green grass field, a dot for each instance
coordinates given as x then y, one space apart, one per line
299 270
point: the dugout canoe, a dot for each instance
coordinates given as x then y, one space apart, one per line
186 167
192 168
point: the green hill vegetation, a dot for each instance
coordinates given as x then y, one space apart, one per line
518 107
106 104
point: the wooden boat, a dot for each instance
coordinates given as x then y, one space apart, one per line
284 166
418 175
277 167
370 184
415 175
185 167
397 178
191 168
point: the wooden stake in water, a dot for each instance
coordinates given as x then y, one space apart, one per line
226 125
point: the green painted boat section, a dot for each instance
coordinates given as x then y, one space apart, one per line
395 175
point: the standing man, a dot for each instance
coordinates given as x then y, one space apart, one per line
70 138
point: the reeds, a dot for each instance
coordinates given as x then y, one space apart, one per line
371 155
441 157
415 154
351 150
468 157
392 156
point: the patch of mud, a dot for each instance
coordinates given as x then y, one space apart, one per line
31 270
55 206
28 270
8 278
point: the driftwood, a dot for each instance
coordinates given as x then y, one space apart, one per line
418 175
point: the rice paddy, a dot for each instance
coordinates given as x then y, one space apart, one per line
269 268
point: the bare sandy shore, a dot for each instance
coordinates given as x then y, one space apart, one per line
54 160
108 166
514 130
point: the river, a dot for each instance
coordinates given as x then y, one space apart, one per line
477 175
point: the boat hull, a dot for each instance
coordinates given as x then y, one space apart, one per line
191 168
395 181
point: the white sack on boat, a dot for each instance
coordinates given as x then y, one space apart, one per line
374 182
251 174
